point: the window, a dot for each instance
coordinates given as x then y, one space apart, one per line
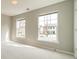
47 27
20 28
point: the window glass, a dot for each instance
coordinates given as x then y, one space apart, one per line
47 27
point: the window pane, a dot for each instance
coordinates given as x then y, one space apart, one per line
20 28
47 27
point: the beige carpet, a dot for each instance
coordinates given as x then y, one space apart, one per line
13 50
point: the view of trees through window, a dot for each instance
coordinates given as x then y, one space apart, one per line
20 28
47 27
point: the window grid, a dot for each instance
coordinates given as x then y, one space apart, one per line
47 27
20 28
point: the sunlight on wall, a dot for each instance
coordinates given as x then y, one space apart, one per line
7 36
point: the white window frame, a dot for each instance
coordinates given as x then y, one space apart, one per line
56 41
17 35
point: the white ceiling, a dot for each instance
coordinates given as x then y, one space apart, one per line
8 9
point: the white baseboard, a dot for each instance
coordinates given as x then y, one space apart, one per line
66 52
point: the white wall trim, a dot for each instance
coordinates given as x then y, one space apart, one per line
63 51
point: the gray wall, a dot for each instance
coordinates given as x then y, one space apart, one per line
65 26
75 28
5 27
